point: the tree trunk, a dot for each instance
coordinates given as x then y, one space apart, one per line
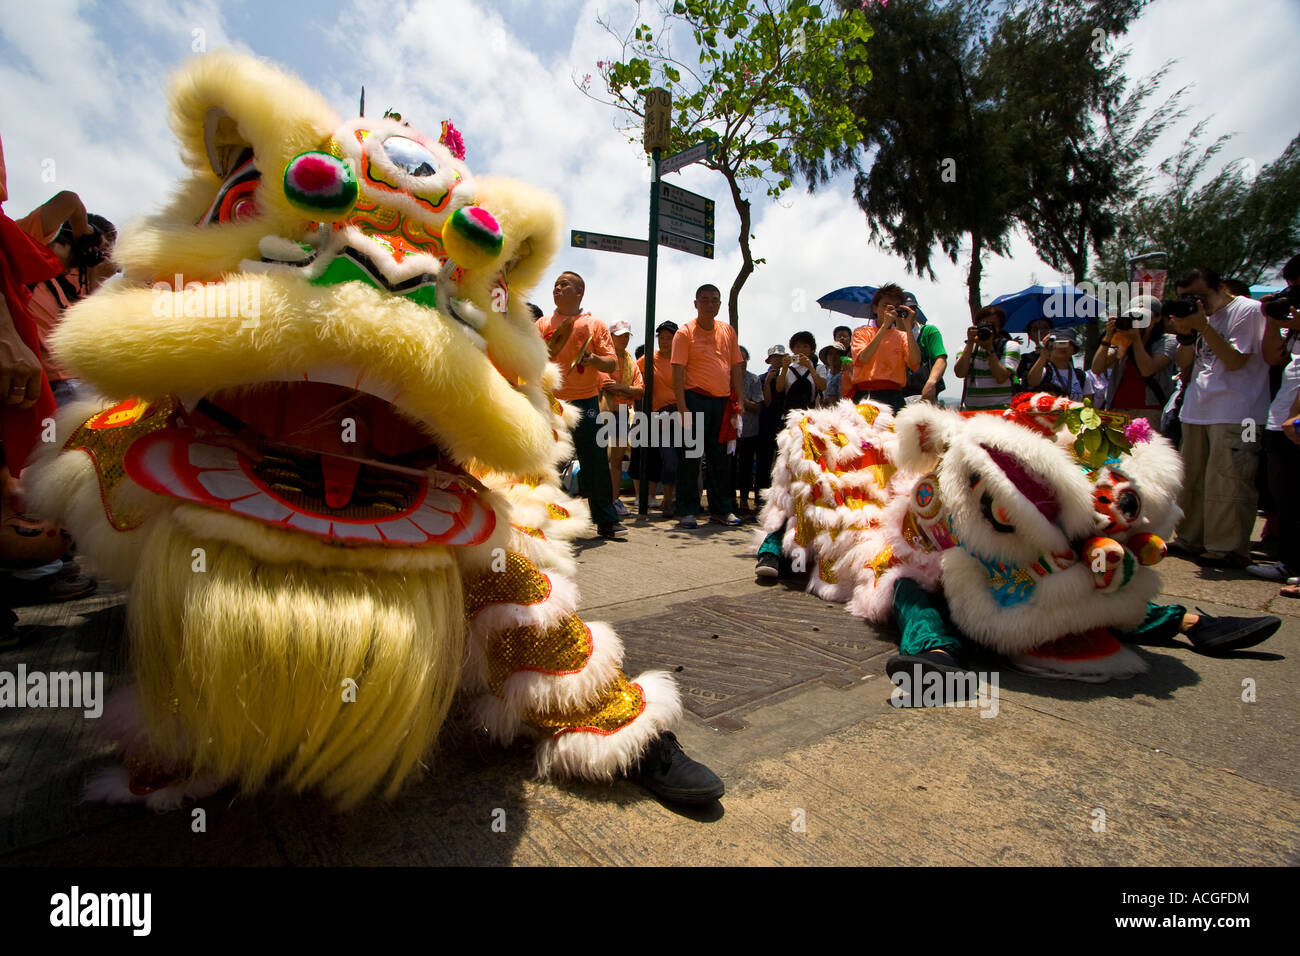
976 270
746 257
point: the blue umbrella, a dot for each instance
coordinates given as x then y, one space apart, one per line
1062 305
854 301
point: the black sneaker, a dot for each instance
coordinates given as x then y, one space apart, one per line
769 566
1214 635
612 532
666 771
938 662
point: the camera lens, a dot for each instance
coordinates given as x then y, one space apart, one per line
1279 309
1124 323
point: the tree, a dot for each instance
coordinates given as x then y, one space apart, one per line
747 76
1241 224
953 120
1084 137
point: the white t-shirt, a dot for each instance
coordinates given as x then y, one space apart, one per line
1280 410
1217 396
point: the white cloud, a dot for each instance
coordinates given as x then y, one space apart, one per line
89 91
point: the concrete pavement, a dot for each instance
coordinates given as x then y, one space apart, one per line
787 700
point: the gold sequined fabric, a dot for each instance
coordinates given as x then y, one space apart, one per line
560 650
913 536
826 570
882 562
616 707
869 413
105 438
558 513
519 583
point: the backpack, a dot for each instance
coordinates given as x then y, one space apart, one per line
916 379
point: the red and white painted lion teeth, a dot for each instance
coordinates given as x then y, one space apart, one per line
177 463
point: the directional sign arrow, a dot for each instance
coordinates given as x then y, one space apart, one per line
682 244
600 242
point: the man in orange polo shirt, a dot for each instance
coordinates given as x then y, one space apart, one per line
581 346
883 353
707 371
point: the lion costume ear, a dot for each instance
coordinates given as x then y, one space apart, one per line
924 433
224 102
222 141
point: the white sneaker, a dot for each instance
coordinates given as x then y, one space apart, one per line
688 522
1269 570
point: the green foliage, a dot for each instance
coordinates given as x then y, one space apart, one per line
1081 138
765 77
1240 225
1101 434
983 89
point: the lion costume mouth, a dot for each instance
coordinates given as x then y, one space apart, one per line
317 456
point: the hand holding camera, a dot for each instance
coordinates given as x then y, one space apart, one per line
1282 307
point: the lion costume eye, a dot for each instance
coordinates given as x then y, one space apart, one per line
1130 505
409 155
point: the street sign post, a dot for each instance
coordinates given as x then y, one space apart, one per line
601 242
684 227
674 194
677 211
683 244
693 154
684 223
658 121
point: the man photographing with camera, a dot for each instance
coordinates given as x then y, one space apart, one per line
884 353
988 361
1220 336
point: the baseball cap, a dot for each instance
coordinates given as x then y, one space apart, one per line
909 300
1145 307
666 326
621 327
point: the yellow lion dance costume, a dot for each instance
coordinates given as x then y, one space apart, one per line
325 464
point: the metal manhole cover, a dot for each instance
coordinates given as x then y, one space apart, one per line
765 649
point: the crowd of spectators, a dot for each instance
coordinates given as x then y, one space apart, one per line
1218 375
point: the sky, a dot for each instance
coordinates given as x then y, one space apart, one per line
82 107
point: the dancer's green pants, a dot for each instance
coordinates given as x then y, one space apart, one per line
924 624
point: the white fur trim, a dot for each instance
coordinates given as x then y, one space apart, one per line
563 600
593 756
1121 665
113 785
503 714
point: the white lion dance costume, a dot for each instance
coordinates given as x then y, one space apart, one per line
325 463
1039 525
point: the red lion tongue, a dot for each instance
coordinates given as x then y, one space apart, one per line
1037 492
340 476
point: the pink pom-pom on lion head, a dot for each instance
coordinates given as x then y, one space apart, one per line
451 138
1138 431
